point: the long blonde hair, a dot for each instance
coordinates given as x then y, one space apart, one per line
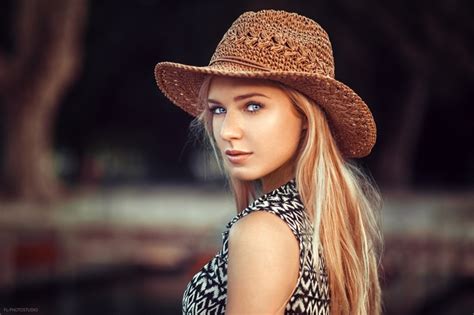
341 200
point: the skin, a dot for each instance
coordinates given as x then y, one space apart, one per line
267 125
263 261
263 265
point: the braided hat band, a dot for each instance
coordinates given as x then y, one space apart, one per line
284 47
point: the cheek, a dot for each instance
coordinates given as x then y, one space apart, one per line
280 134
216 127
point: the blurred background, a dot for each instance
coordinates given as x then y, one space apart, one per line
108 205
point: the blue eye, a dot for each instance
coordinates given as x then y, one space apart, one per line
217 110
253 107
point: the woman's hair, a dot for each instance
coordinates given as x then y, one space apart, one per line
341 200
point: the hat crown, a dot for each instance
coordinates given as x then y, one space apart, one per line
276 41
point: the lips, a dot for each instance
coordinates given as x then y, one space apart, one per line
237 156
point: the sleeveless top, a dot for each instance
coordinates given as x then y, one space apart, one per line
206 293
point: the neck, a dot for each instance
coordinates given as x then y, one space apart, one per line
277 178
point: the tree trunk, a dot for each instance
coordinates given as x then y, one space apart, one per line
48 40
28 165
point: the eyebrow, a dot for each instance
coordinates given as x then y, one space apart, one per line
240 97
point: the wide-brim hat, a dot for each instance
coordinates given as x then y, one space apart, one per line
283 47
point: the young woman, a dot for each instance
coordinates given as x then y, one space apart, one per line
306 237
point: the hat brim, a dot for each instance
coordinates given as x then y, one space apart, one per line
350 118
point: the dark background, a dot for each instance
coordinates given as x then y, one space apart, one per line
384 52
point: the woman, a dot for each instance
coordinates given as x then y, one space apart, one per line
285 131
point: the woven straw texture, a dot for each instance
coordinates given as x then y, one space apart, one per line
284 47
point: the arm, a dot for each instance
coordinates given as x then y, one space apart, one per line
263 265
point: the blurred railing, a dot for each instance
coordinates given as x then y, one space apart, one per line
428 251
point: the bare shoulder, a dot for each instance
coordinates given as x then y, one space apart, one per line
261 224
263 264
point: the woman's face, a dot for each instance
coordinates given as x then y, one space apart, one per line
256 128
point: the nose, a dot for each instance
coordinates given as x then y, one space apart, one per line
231 126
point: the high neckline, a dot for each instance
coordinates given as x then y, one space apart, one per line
287 188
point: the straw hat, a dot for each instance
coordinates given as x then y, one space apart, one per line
284 47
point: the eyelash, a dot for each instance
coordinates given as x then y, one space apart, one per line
254 103
213 108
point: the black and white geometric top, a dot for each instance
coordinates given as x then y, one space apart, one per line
206 293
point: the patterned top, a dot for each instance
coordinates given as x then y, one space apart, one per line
206 293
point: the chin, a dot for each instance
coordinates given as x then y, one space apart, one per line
243 175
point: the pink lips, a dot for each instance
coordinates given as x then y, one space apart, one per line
236 156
